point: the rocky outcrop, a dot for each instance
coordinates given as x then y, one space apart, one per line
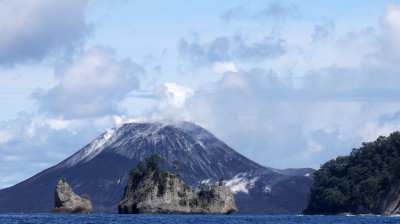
390 205
160 192
67 202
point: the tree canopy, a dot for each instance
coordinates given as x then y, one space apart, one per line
355 183
154 162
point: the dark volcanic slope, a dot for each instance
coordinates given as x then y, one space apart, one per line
101 168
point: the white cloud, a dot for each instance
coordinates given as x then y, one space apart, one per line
391 21
273 10
391 18
27 153
120 120
172 94
91 86
248 122
41 165
223 67
276 10
313 147
236 47
264 116
309 102
372 129
59 124
5 136
14 129
30 30
11 158
10 178
323 31
234 80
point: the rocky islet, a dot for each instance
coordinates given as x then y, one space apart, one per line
67 202
161 192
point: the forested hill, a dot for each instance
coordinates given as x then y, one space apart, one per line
361 182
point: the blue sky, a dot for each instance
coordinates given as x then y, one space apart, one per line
285 83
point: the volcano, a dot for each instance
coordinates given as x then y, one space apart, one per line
101 168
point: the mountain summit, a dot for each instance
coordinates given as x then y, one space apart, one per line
101 170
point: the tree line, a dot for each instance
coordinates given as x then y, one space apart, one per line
357 183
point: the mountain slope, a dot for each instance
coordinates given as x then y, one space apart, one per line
100 169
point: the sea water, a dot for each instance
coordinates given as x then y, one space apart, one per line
203 219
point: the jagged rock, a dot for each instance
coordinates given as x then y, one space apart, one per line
67 202
160 192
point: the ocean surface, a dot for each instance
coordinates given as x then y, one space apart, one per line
176 219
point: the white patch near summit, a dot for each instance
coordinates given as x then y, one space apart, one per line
267 189
92 150
241 183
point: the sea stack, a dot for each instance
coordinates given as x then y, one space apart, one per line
67 202
161 192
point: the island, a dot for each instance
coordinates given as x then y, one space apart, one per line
67 202
365 182
152 190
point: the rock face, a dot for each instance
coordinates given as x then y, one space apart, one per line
165 193
67 202
390 205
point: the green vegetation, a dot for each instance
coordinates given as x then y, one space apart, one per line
221 181
134 172
182 202
193 202
203 186
356 183
152 163
141 167
171 184
181 194
160 177
135 177
206 193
